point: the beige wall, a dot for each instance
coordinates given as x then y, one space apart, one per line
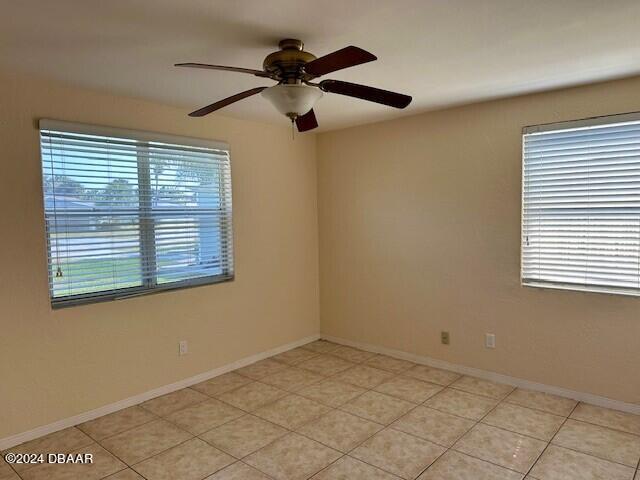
55 364
420 232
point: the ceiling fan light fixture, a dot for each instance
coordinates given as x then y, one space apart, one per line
292 100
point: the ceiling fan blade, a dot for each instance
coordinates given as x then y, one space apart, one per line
223 103
307 121
385 97
343 58
257 73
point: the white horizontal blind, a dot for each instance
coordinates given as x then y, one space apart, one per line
126 216
581 205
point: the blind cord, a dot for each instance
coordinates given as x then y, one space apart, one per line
55 209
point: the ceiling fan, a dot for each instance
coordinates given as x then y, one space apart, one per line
296 92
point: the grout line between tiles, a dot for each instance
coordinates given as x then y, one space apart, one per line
339 408
603 426
585 453
506 400
503 400
372 389
300 426
477 422
115 473
122 431
551 440
385 427
254 468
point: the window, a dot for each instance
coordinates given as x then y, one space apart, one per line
132 212
581 205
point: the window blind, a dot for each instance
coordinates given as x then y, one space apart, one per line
129 212
581 205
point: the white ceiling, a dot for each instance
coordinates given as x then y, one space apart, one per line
442 52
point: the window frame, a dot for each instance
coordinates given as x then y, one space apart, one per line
145 288
559 126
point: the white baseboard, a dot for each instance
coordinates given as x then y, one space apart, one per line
19 438
496 377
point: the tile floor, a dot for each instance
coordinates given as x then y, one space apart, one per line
331 412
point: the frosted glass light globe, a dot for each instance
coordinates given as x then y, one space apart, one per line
292 100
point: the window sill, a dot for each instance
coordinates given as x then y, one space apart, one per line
134 292
625 292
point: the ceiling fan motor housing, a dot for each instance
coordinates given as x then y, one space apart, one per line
287 63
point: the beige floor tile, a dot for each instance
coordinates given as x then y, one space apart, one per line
348 468
261 369
192 460
351 354
103 464
526 421
479 386
433 425
9 475
204 416
410 389
432 375
62 441
600 442
378 407
331 393
558 463
326 365
144 441
252 396
460 403
292 457
292 379
321 346
457 466
243 436
238 471
292 411
542 401
295 356
223 383
398 453
363 376
606 417
506 449
340 430
116 422
173 401
6 472
127 474
389 364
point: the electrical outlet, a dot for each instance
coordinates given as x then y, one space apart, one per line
490 340
183 347
444 338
